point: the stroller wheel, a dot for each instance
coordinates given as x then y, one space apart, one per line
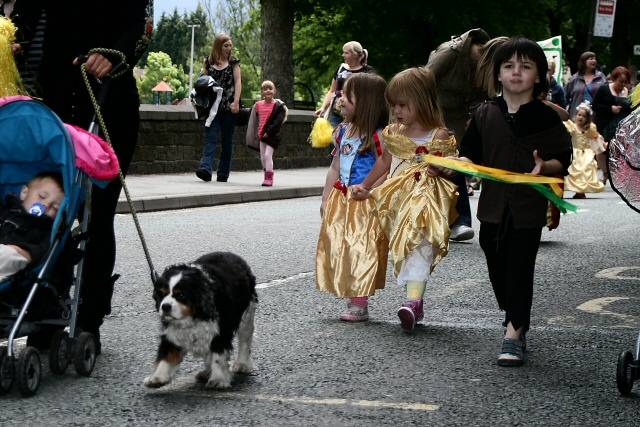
84 354
60 352
7 373
624 373
28 372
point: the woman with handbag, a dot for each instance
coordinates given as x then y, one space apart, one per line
263 130
225 69
355 61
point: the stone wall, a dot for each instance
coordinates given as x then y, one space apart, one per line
170 141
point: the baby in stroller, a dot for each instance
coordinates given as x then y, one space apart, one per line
26 222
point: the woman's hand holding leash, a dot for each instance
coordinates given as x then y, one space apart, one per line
97 65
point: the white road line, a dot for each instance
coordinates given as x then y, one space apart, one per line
180 384
371 404
284 280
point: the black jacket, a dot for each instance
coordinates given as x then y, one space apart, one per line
19 228
497 139
273 125
72 28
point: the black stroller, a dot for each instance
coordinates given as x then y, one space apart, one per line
33 139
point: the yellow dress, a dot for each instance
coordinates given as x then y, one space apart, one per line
351 258
583 176
412 206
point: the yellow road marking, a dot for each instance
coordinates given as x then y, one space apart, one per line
614 273
597 306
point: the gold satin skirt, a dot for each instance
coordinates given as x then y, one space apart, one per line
583 173
414 207
351 259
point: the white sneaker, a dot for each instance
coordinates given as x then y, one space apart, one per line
460 233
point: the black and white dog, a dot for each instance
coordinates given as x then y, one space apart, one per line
202 305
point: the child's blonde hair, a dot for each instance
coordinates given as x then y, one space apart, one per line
267 83
371 112
416 87
586 107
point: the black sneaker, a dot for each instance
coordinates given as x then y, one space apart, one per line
203 174
222 178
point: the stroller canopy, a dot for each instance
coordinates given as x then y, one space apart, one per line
33 140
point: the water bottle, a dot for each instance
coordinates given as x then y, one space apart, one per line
37 209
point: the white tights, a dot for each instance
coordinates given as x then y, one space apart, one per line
417 266
266 156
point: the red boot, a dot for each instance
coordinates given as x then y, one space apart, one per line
268 179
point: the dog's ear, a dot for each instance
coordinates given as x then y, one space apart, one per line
204 304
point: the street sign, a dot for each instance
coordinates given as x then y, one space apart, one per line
605 14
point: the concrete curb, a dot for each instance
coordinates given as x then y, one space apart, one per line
152 204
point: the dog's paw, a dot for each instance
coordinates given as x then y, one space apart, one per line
203 376
154 381
218 383
219 379
242 367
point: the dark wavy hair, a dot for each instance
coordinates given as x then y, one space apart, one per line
582 61
522 48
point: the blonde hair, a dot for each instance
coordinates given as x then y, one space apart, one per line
484 71
216 50
371 112
417 88
267 83
355 47
586 107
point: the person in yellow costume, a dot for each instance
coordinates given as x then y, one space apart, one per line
416 204
351 257
10 83
587 142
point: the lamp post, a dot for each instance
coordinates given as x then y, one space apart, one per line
193 27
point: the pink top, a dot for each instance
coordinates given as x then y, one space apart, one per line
264 110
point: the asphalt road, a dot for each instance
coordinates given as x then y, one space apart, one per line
312 369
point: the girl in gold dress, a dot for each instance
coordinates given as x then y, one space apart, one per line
587 142
351 260
416 204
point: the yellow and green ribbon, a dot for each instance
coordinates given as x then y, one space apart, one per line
546 185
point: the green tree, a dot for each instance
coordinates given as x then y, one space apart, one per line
241 20
160 68
202 40
172 36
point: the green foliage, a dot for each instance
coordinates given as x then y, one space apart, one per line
172 35
401 33
241 20
160 68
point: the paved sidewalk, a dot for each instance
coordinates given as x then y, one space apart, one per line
185 190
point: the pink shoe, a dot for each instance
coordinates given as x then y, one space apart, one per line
357 310
268 179
410 313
